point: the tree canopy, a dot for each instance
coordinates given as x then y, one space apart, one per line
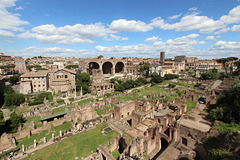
227 108
83 80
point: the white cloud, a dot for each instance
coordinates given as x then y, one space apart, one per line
10 21
173 47
112 37
52 51
210 38
202 23
181 45
222 30
123 25
232 17
152 39
192 9
124 38
18 8
77 33
6 33
189 22
226 49
202 42
175 16
235 28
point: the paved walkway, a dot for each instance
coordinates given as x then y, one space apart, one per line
216 84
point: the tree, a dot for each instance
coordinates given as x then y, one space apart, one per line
228 106
14 122
71 66
156 79
83 80
14 99
144 67
119 87
1 119
170 76
113 80
8 90
225 61
14 79
141 80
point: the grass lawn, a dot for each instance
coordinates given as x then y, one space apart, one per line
100 112
190 104
29 141
79 145
116 153
35 119
57 110
85 101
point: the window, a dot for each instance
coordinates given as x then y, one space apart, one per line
66 76
184 141
34 85
38 85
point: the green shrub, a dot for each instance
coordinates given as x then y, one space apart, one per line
71 99
60 101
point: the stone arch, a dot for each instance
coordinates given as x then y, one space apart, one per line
122 144
107 68
92 65
119 67
164 144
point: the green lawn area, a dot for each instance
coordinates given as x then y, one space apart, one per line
29 141
190 104
100 112
57 110
79 145
35 119
63 127
116 153
85 101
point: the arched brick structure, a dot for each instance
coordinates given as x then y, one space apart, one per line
117 65
107 68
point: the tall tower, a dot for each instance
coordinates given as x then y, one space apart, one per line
162 57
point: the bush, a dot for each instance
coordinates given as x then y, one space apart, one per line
14 99
40 98
156 79
119 87
71 99
113 80
170 76
60 101
141 80
172 85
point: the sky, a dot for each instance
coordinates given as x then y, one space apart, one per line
206 29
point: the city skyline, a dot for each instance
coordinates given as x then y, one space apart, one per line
203 29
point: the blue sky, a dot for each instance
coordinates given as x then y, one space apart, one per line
120 28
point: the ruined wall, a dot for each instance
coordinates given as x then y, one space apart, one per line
124 109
